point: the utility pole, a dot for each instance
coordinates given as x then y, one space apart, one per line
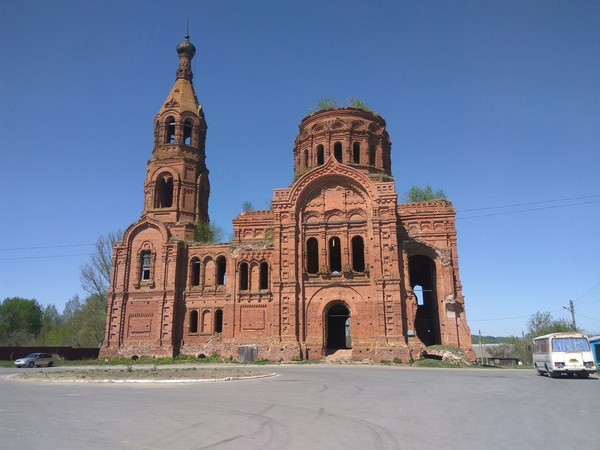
572 309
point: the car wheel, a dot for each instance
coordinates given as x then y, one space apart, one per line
31 364
19 367
50 364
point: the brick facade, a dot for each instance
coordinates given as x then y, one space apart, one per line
336 263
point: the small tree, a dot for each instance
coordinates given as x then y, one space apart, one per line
542 323
95 275
418 194
206 232
247 206
20 321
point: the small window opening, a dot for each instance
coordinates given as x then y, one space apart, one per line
164 192
170 135
264 275
372 154
335 255
188 126
418 290
320 155
146 264
244 276
221 270
306 159
193 321
195 281
358 254
356 153
312 256
218 321
337 151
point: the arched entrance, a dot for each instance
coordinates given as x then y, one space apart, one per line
423 282
337 330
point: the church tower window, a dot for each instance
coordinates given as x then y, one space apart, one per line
356 153
320 155
358 254
221 270
164 191
146 266
372 155
312 256
264 275
170 134
188 126
195 268
244 276
335 255
337 151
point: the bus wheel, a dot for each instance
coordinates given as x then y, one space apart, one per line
583 374
550 373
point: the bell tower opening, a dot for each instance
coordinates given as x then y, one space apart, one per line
337 330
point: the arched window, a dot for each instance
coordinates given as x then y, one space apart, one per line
188 126
146 259
156 132
306 159
164 191
356 153
221 270
358 254
335 255
320 155
372 155
244 276
170 130
337 151
193 321
264 275
195 275
218 320
312 256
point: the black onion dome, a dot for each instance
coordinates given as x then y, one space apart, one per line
186 46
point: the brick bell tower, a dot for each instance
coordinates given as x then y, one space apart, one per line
176 189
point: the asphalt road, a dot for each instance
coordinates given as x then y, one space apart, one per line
309 407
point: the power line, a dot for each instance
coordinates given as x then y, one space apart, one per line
44 247
531 203
45 257
527 210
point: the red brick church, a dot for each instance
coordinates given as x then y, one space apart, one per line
336 263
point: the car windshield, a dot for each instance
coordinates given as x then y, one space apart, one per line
31 355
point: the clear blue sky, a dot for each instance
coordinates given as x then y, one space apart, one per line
495 102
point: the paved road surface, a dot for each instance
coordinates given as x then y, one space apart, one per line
310 407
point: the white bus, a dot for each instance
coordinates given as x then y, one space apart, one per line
558 353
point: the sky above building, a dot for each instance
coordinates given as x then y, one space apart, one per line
497 103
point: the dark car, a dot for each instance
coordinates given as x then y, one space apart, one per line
35 360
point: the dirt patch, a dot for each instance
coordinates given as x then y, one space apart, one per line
138 374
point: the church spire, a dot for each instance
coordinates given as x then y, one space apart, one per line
186 51
177 187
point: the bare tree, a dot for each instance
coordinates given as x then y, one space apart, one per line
95 275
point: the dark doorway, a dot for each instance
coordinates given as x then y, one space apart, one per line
338 327
423 283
